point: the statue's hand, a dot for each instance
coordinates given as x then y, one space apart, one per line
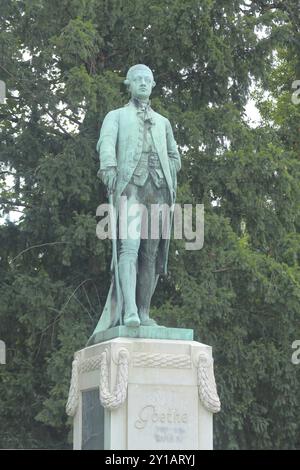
109 177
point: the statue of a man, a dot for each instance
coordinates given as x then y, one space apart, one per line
139 160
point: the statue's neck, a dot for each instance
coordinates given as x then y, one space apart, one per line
141 103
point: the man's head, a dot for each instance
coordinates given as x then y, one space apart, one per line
140 81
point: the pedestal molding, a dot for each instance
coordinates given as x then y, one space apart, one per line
174 361
112 400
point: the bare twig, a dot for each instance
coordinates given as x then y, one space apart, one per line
99 301
83 306
221 270
88 299
37 246
60 312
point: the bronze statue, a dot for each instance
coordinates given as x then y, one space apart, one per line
139 160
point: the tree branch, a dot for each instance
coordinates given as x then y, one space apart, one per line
37 246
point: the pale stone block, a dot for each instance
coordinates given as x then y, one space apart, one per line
161 408
162 417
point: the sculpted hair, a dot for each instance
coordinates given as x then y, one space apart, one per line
133 69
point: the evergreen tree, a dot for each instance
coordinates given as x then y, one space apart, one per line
63 63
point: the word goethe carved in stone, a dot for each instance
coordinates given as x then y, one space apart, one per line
149 414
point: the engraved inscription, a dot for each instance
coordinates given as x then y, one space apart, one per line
169 434
150 414
162 417
165 435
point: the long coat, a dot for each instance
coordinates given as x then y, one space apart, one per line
120 145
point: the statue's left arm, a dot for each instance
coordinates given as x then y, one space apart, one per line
173 154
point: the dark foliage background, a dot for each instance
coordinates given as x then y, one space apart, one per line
63 62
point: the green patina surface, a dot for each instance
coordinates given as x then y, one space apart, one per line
148 332
139 161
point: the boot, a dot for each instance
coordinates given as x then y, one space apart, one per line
145 319
127 275
145 288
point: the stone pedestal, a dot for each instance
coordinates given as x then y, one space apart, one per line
137 393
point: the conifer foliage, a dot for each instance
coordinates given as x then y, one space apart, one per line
63 62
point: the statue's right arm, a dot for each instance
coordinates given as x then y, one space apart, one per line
107 142
106 148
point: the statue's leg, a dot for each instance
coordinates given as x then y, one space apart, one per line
128 254
148 252
146 280
127 276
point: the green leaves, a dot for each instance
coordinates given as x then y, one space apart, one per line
64 63
78 42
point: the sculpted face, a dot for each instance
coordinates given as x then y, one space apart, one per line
140 84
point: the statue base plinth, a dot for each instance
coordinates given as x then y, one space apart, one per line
133 393
147 332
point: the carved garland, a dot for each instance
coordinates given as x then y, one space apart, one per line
73 397
207 388
107 399
111 400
